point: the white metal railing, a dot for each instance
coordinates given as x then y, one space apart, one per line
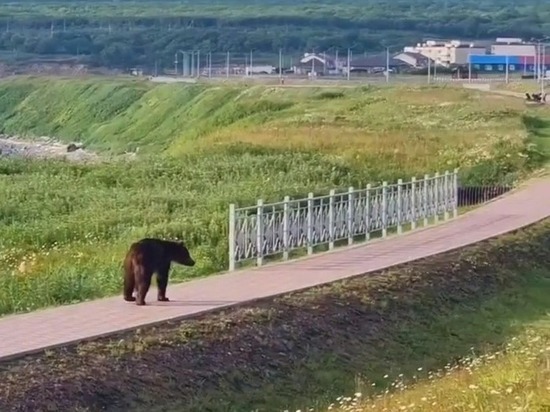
279 228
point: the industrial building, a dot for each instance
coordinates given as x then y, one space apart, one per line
498 63
505 46
454 52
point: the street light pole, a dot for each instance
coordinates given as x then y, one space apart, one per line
280 64
227 65
349 51
198 63
387 64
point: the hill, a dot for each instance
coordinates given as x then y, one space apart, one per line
65 226
149 33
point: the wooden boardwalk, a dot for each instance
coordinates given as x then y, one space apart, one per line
27 333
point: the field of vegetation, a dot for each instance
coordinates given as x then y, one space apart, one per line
133 32
514 378
65 227
479 315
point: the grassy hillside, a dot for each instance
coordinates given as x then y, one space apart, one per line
65 227
304 349
516 378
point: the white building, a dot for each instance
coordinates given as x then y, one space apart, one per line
446 53
267 69
507 46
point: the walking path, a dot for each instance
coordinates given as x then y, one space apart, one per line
26 333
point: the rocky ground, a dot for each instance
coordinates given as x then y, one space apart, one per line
46 148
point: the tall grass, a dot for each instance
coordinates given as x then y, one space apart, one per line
65 227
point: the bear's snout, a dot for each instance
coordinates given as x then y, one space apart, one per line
190 262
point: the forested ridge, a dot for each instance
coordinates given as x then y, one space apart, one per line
128 33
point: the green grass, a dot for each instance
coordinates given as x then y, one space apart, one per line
516 378
65 227
307 348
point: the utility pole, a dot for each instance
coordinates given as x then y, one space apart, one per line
312 65
280 64
183 62
227 65
198 63
349 51
209 65
507 75
429 70
192 62
543 69
387 64
250 71
175 63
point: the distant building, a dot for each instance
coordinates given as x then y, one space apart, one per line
316 64
506 46
376 64
449 53
416 60
266 69
498 63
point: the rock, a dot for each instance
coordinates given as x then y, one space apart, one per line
72 148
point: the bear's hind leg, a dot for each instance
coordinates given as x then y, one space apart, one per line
129 286
143 283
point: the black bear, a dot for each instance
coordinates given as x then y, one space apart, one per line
146 257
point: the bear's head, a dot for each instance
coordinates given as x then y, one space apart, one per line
180 254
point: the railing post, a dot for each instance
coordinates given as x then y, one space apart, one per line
413 203
455 190
367 213
285 228
399 206
426 208
351 214
331 219
259 232
446 189
310 223
384 209
232 239
436 196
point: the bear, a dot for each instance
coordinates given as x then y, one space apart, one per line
147 256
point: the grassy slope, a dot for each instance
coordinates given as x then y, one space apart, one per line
308 346
65 227
516 378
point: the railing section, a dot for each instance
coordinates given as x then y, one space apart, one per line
263 230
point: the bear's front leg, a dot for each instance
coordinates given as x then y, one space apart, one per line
162 283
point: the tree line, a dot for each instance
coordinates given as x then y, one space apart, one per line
151 40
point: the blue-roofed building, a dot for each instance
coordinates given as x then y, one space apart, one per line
497 63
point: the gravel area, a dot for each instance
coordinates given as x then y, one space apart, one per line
46 147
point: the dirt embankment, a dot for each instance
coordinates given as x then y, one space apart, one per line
284 352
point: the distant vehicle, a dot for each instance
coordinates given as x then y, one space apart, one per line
462 72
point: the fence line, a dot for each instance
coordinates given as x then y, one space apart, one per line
263 230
